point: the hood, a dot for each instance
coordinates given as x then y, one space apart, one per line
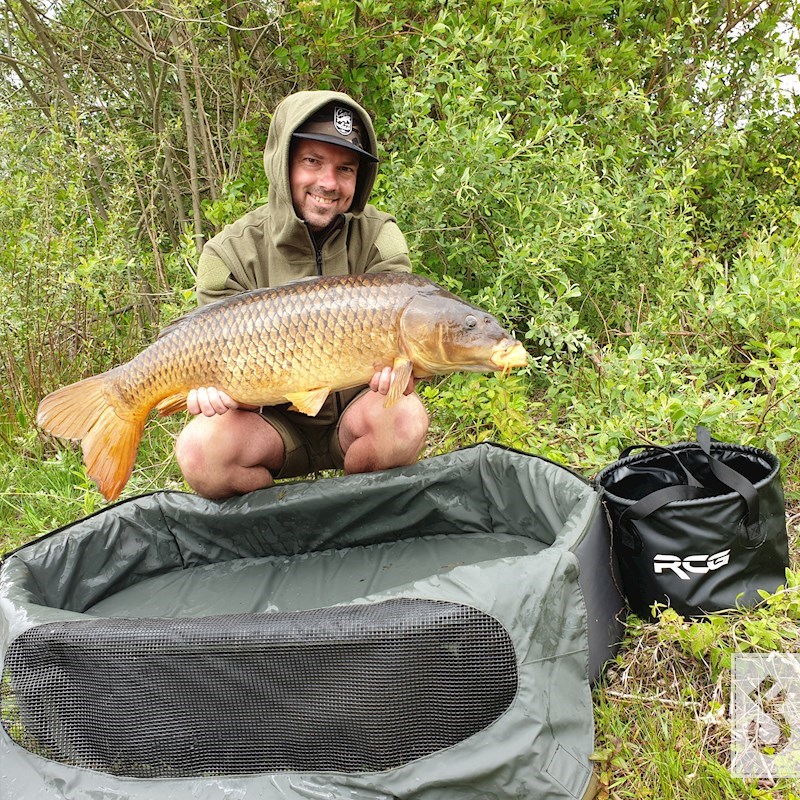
290 114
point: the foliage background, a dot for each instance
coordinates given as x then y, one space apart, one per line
617 180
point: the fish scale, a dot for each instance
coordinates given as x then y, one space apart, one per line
293 343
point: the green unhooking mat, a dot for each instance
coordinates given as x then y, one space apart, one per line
428 632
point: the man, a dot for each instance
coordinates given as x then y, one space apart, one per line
321 162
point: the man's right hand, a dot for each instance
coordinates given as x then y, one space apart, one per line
209 401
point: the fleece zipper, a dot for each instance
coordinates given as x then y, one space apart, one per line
319 243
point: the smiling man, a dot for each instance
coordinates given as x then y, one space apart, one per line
321 161
323 180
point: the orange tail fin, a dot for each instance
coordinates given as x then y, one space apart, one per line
109 436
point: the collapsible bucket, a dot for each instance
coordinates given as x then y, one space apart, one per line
699 527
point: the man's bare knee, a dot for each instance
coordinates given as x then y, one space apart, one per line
230 454
414 424
190 449
377 438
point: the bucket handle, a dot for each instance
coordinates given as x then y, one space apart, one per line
749 528
751 524
690 478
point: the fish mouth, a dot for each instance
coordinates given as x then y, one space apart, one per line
508 356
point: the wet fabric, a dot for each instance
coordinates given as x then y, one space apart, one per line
355 688
485 556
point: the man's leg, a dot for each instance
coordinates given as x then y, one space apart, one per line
373 437
229 454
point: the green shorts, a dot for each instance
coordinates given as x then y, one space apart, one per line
311 444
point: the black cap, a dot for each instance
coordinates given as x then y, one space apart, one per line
336 124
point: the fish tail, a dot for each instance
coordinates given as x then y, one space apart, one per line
109 433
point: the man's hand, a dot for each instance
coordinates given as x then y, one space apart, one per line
382 381
210 401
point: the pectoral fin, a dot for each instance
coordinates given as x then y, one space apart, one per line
401 373
172 404
308 402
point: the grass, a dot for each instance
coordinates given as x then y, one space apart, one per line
43 484
662 726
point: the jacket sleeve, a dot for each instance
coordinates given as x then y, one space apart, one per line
214 278
389 253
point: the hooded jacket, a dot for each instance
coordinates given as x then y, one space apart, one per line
272 245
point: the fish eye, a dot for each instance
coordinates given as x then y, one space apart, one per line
470 321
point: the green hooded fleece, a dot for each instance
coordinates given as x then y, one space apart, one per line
272 245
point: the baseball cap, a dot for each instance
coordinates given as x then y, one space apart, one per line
336 124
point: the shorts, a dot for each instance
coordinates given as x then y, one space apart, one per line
311 444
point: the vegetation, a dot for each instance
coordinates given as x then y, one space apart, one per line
617 180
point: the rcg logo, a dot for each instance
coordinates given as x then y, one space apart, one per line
684 568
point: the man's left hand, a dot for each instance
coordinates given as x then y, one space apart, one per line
382 381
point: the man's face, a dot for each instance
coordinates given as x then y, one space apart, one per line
323 181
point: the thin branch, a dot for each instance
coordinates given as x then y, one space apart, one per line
188 119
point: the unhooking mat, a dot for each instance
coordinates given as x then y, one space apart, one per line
428 632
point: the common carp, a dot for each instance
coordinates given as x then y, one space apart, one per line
295 343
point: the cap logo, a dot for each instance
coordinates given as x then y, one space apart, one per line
343 120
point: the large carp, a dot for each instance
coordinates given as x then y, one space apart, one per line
295 343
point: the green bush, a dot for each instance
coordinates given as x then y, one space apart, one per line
616 182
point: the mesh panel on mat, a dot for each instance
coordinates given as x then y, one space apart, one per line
353 688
